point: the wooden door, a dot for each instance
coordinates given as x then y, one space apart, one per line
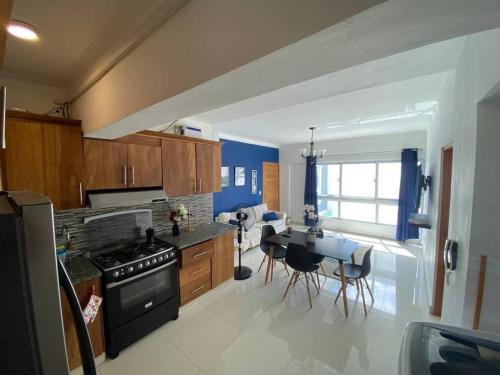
144 163
95 329
204 168
105 164
442 229
22 161
179 167
217 165
223 260
271 185
63 165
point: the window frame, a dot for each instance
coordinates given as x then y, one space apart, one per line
375 200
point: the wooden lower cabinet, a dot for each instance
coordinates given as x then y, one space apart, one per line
96 328
205 266
195 289
197 253
223 260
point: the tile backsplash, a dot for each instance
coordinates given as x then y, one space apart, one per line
91 236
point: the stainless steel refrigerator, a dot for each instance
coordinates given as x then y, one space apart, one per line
31 327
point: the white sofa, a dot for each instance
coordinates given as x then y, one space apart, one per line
251 237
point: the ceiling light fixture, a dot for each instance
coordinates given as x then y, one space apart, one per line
22 30
312 155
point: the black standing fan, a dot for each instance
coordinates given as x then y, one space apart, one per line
241 272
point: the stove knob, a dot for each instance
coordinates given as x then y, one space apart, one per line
130 269
153 261
160 258
171 253
116 274
140 266
147 263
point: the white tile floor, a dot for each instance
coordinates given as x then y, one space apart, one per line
244 327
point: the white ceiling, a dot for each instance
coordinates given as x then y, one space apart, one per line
381 97
75 36
393 108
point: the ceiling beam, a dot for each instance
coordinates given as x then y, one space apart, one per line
159 16
5 11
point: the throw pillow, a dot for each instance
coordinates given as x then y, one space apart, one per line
270 216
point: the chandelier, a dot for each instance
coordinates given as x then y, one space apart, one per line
312 154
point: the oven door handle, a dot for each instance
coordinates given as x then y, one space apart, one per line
112 285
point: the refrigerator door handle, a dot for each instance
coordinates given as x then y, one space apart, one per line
86 352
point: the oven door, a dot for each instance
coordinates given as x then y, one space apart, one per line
130 298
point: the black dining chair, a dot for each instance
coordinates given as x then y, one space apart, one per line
317 259
301 261
357 273
279 252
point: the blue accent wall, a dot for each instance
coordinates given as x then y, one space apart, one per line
250 156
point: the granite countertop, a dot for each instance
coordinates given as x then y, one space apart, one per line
200 233
81 269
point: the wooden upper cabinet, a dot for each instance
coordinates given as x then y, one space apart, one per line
120 164
63 161
23 170
204 168
105 164
190 167
145 166
44 157
179 167
217 167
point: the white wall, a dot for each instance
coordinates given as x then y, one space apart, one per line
32 96
201 41
478 71
375 148
486 218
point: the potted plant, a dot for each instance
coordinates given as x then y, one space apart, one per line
177 216
312 220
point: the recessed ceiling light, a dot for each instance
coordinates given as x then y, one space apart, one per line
22 30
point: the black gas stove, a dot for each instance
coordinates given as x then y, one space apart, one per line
132 258
141 289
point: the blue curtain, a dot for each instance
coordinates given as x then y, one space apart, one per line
310 191
407 194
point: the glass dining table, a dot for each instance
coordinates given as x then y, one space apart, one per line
330 246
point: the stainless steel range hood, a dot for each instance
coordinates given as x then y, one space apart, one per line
126 198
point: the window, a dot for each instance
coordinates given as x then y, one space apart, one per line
365 192
389 175
358 180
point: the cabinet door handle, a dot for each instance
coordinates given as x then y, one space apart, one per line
124 169
197 289
200 184
81 193
199 255
195 185
3 101
132 170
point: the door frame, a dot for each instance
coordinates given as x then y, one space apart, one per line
443 220
264 165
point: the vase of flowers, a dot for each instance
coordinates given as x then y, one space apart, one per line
180 213
312 220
